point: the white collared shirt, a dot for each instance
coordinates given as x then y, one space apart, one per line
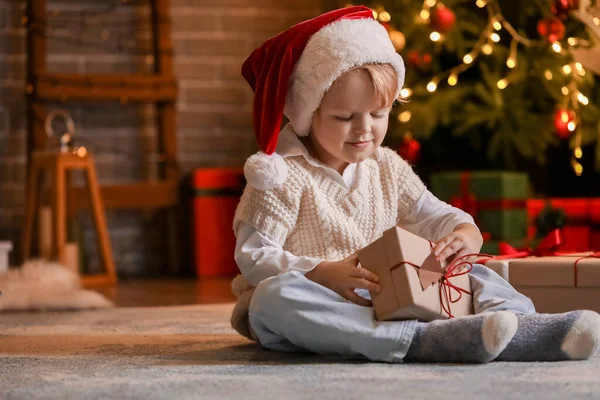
259 257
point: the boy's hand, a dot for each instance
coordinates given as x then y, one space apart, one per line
344 276
466 239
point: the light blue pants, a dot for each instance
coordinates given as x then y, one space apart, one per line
291 313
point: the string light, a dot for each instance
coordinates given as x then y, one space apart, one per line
582 99
556 47
512 58
565 90
405 116
571 126
453 79
481 3
496 24
435 36
430 3
502 83
578 153
385 16
548 75
425 14
487 49
432 85
495 37
468 59
406 93
567 69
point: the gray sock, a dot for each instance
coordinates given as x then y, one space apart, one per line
472 339
553 337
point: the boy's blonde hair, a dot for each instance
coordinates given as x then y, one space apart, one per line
385 80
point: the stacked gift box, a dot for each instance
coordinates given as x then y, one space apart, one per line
497 200
581 229
557 268
560 283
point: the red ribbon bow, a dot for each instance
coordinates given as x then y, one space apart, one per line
547 247
446 287
453 270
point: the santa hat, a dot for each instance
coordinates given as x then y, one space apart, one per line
291 72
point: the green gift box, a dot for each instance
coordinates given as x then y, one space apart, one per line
496 199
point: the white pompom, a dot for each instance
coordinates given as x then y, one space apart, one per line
265 172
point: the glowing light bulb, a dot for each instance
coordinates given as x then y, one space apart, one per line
406 92
468 59
432 86
565 90
502 84
453 79
435 36
385 16
578 152
425 14
556 47
511 63
567 69
495 37
548 74
487 49
405 116
582 99
480 3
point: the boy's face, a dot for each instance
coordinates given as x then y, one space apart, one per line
351 122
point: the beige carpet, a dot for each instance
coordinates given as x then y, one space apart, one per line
190 352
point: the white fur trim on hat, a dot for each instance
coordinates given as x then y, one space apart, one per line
333 50
265 172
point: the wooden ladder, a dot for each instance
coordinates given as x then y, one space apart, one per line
159 88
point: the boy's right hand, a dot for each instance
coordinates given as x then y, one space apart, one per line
344 276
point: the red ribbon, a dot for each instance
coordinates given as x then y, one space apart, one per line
547 247
446 287
595 255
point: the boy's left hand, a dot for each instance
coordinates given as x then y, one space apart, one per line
466 239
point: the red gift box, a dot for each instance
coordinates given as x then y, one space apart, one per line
217 192
582 228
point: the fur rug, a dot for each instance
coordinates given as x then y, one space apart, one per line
42 286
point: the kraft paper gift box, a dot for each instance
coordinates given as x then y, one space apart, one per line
408 292
555 284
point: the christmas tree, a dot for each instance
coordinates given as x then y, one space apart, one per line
509 78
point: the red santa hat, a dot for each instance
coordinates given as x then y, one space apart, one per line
291 72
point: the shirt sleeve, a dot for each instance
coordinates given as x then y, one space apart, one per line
259 257
432 218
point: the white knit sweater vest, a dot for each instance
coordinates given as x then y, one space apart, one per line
312 215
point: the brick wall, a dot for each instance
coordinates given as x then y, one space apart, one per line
211 40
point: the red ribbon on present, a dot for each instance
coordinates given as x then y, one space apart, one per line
468 202
446 287
547 247
594 255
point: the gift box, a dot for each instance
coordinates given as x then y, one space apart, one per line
555 284
414 285
581 231
495 199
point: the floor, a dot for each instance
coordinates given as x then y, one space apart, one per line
170 292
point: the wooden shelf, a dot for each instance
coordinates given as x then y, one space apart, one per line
121 87
142 195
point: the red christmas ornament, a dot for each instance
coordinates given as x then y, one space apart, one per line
414 58
442 19
410 149
561 8
562 118
552 29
